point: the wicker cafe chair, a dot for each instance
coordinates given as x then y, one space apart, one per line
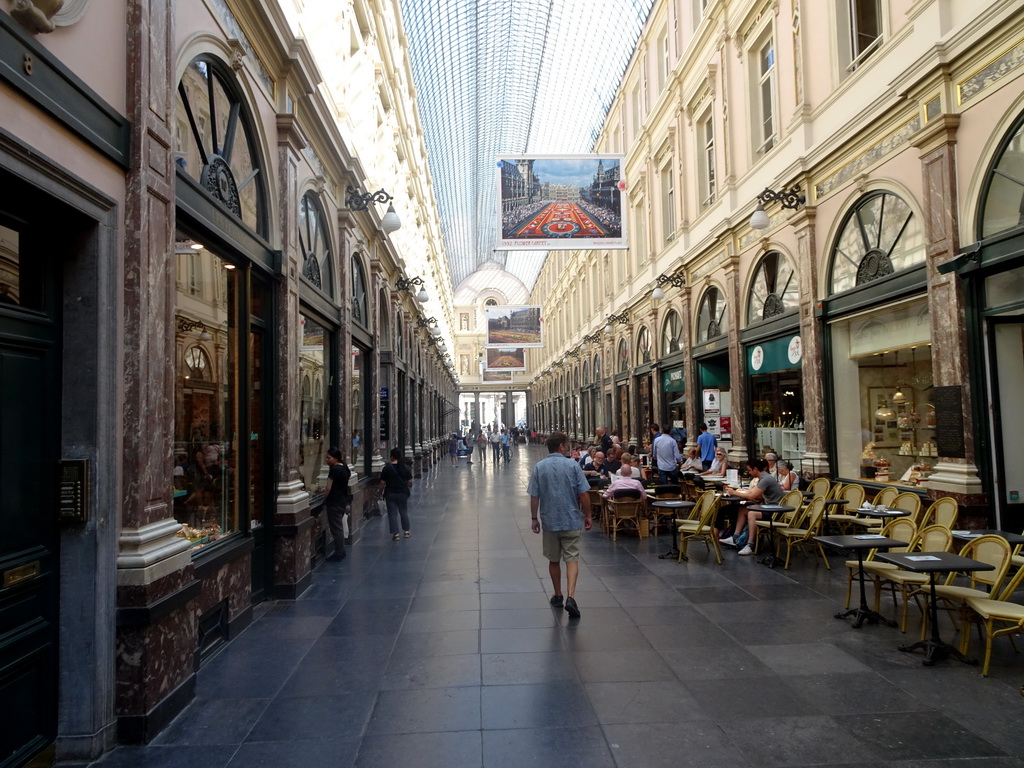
792 499
597 509
803 537
664 493
942 511
625 508
934 538
993 550
909 502
886 497
902 529
986 612
701 525
819 486
854 495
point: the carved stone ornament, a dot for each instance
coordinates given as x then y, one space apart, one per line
36 16
311 271
873 266
219 182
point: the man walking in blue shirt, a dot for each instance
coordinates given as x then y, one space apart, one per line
506 445
707 443
664 455
558 497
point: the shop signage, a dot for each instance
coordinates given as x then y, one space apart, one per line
672 381
384 412
949 422
890 330
775 355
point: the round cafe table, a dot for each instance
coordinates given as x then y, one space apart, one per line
673 504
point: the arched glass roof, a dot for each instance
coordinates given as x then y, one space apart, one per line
508 77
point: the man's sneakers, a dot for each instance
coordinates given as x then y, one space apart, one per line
556 601
746 550
727 541
571 608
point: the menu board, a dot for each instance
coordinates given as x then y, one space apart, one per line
949 422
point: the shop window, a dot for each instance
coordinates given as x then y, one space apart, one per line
358 400
774 289
315 244
208 376
882 377
360 312
712 321
623 356
878 237
859 31
1002 206
643 347
218 150
671 334
315 412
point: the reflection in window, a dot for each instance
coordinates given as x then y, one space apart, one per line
774 290
643 346
355 402
670 334
879 236
623 356
314 433
10 266
359 310
314 240
206 394
214 141
711 318
1002 207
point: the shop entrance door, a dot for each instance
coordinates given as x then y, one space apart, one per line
30 409
1008 376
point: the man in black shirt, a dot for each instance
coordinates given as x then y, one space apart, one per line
338 500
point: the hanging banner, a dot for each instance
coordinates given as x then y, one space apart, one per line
567 202
513 326
506 359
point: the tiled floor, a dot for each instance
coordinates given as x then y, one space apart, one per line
441 650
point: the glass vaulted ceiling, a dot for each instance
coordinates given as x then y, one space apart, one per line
506 77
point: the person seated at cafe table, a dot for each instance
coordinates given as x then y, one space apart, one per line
692 462
625 460
625 481
613 461
788 479
596 468
717 464
767 491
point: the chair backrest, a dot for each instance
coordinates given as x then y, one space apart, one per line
854 494
908 502
626 493
942 511
886 496
698 481
708 506
1013 583
667 491
994 550
812 517
901 529
792 499
819 486
932 538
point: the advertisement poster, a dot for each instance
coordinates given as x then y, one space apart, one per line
561 202
506 359
513 326
712 401
497 376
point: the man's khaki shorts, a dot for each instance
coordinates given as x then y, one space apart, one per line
561 545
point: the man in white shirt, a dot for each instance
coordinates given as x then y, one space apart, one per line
665 456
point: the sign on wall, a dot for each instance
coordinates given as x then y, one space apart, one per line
514 326
506 359
561 202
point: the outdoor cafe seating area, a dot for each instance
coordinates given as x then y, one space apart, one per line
911 557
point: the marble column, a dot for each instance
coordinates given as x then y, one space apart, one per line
156 586
738 383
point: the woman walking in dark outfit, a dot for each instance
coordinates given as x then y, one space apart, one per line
397 480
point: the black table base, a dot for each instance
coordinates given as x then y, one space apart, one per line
934 647
862 613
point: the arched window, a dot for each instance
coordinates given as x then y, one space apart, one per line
399 336
880 235
643 346
1002 197
774 290
359 308
586 372
671 334
711 318
597 367
623 356
384 334
197 364
315 243
215 141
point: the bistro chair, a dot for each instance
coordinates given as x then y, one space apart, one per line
908 502
942 511
819 486
668 491
701 525
854 495
986 612
886 497
902 529
597 509
625 508
804 537
792 499
664 493
934 538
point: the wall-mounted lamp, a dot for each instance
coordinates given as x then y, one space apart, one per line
185 325
360 201
621 318
789 198
592 338
430 324
676 281
406 285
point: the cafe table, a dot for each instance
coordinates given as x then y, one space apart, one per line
770 510
860 543
1013 539
934 563
673 504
